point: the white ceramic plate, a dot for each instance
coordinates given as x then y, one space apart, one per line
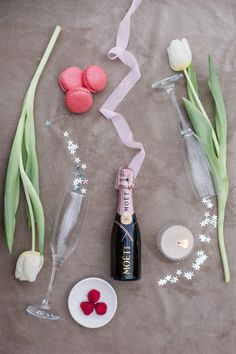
79 293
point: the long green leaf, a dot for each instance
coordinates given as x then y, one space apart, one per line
201 126
220 115
31 167
32 162
12 184
24 153
36 204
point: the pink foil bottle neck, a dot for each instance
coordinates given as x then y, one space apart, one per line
125 184
124 178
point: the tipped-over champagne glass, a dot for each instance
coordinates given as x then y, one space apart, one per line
196 164
65 236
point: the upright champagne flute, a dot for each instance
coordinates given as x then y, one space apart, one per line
65 237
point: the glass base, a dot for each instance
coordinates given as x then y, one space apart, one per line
42 311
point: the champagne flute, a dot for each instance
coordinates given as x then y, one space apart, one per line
65 236
196 164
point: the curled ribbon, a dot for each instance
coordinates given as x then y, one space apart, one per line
108 108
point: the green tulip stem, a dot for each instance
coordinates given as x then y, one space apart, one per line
222 194
221 241
202 109
31 220
29 204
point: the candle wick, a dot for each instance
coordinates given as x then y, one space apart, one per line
183 243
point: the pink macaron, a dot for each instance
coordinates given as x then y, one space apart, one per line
78 100
70 78
94 78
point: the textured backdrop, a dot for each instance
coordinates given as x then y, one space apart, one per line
192 317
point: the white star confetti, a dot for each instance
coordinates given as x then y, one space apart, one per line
83 190
168 278
204 222
201 259
72 147
188 275
79 176
174 280
207 214
205 239
209 205
178 271
213 221
162 282
202 238
75 183
196 266
205 200
200 253
48 124
75 146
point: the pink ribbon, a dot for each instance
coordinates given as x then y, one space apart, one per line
108 108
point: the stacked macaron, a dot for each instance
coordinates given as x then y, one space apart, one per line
79 85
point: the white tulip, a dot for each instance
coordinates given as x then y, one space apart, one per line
180 56
29 265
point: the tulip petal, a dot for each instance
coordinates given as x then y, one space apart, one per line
187 48
179 53
29 265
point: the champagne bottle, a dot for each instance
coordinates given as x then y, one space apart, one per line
125 237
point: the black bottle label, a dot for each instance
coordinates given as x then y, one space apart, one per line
125 250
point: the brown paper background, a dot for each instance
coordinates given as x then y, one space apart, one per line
195 317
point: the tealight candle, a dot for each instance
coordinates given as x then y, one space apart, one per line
175 242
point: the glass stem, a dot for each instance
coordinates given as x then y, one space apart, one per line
47 300
183 124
